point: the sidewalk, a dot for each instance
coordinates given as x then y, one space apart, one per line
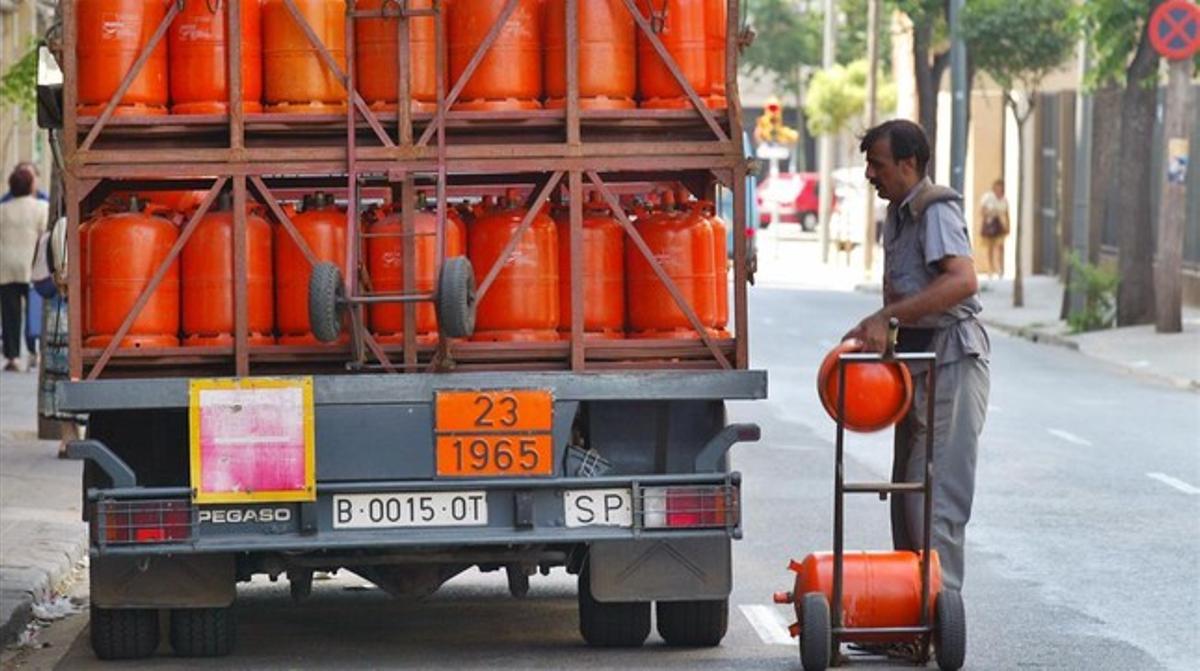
788 259
41 534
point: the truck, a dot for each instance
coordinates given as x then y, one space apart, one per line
406 460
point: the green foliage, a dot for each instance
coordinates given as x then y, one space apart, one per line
1019 42
1113 28
852 33
837 96
18 84
786 39
1099 290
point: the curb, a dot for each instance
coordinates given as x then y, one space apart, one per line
23 586
1032 334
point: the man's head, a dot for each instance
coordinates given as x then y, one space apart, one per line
20 182
897 154
998 188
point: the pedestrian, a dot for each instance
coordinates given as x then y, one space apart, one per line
993 211
930 287
22 220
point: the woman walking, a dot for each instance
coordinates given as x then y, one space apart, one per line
22 220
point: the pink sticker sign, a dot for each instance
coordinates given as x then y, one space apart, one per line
252 440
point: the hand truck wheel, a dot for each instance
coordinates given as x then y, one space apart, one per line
950 630
326 301
816 642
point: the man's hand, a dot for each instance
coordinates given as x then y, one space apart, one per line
872 332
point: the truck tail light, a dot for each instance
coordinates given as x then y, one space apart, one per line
149 521
690 507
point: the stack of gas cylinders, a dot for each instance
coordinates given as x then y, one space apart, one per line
125 242
282 72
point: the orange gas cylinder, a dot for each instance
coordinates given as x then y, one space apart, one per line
878 393
208 274
199 74
121 252
522 304
680 24
375 56
607 61
322 224
112 34
182 202
682 241
295 78
879 589
715 21
385 263
510 75
720 264
603 272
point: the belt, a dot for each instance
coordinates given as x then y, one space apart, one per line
914 339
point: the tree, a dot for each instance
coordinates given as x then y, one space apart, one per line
1018 43
931 57
836 97
786 41
1122 54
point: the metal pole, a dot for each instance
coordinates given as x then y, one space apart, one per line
828 59
958 106
1083 181
872 112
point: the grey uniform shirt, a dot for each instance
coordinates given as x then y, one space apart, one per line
912 253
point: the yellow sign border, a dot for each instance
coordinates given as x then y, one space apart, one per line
305 384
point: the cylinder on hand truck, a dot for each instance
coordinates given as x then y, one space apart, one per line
376 55
603 271
385 263
522 304
607 55
510 75
121 252
878 393
681 26
208 280
199 40
296 79
112 34
322 225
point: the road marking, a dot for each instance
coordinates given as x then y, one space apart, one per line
1173 482
1069 437
770 626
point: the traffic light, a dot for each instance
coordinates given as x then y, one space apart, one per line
770 128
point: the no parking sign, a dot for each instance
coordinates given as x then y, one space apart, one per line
1175 29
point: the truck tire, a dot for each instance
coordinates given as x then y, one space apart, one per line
456 298
624 624
202 632
124 633
696 624
326 306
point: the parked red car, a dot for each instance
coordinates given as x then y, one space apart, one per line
796 194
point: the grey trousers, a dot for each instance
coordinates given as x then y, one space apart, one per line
959 412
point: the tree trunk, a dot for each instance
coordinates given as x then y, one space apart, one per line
1135 294
1168 285
1106 141
928 74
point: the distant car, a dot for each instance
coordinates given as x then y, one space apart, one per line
795 194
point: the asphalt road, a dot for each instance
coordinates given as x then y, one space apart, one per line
1083 552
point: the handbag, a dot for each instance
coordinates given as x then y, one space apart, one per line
992 228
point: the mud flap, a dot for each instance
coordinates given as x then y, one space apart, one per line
198 581
661 570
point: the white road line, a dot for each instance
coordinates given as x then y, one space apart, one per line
770 626
1069 437
1173 482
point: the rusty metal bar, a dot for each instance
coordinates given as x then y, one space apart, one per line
268 199
669 62
75 271
408 203
513 241
575 193
237 122
741 316
373 346
444 345
404 72
241 306
70 135
355 99
572 33
157 278
134 71
476 59
668 283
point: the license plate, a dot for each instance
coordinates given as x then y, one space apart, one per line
410 509
598 507
494 433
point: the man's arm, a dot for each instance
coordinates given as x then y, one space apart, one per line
956 283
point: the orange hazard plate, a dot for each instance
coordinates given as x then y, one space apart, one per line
494 433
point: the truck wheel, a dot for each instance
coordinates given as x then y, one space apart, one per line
950 631
815 635
611 624
456 298
693 623
124 633
202 632
326 306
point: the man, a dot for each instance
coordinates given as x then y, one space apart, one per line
930 287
